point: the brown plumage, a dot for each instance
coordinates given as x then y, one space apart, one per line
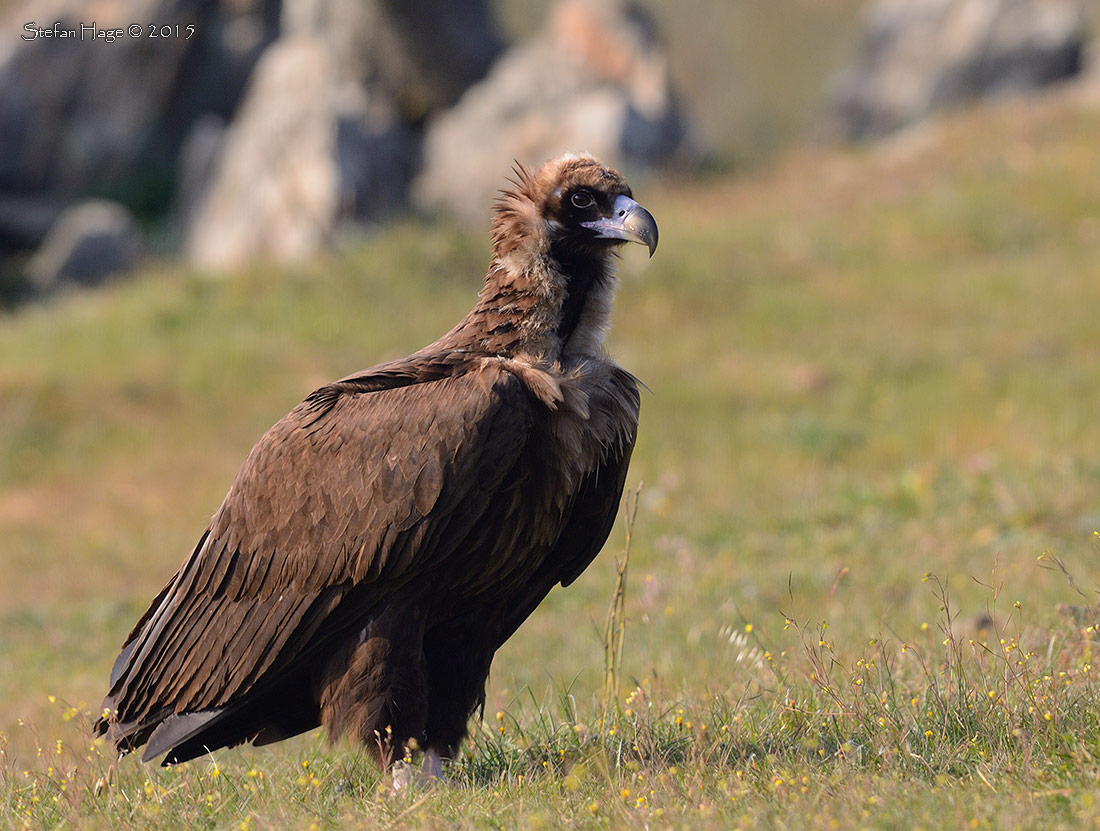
382 541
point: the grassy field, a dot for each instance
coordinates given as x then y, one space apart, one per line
863 573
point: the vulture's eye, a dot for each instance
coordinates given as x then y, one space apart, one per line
582 199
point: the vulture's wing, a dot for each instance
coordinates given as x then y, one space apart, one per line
597 502
358 484
590 518
593 517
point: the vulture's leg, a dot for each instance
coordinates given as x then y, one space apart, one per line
458 660
432 768
375 687
430 773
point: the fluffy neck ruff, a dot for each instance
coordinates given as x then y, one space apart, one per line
541 300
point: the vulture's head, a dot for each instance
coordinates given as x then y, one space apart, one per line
549 289
573 208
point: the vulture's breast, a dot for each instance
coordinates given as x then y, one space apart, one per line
589 412
581 419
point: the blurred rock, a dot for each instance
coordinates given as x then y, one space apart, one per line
73 113
274 125
274 190
376 159
306 152
595 80
83 115
79 114
25 220
327 135
89 242
24 223
919 56
197 164
419 55
1089 81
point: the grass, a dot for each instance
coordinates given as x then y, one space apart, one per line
862 574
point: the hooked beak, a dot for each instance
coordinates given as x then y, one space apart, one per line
628 221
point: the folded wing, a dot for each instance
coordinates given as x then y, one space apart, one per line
367 484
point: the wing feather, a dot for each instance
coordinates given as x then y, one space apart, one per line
587 522
373 484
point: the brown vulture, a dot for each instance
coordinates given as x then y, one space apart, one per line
382 541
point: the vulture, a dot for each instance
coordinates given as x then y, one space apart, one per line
387 536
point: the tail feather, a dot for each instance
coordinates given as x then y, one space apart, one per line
278 713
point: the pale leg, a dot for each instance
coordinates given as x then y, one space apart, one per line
433 764
431 772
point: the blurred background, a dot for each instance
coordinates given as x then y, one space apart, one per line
222 131
869 334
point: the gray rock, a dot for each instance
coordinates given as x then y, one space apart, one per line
81 114
90 242
25 220
274 193
919 56
1089 81
337 131
197 164
594 80
418 55
376 159
307 152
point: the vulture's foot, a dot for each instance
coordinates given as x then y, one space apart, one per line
404 774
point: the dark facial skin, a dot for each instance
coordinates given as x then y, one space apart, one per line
589 218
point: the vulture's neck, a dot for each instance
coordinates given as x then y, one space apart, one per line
544 305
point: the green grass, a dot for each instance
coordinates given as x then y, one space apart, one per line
865 367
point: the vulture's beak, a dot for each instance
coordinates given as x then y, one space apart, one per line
628 221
